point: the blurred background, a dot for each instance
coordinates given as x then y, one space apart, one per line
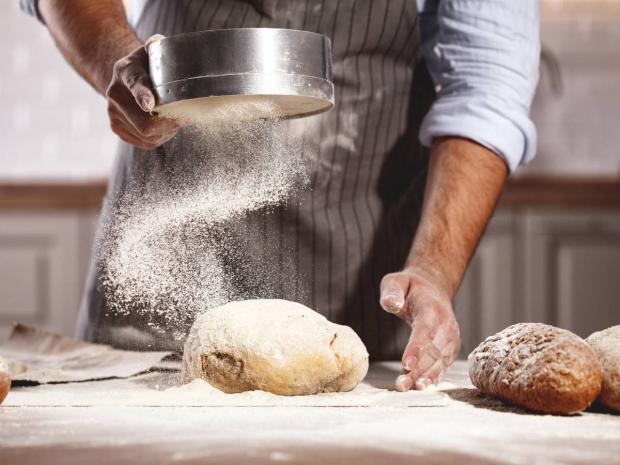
551 252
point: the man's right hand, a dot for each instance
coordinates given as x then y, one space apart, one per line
131 101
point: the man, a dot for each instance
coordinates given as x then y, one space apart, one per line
361 234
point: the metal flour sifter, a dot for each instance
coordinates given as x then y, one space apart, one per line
289 68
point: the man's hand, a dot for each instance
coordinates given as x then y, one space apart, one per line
98 42
464 182
435 341
131 100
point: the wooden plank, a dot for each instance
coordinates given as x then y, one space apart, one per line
561 192
47 196
519 192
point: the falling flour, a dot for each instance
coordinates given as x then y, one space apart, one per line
167 251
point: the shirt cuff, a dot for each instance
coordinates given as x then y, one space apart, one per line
31 7
485 120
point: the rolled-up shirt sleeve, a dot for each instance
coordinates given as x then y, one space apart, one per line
483 56
31 7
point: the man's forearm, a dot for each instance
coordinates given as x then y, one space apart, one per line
92 35
464 183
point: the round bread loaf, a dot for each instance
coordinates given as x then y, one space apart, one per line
537 366
273 345
5 380
606 346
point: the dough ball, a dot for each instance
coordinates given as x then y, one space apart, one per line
5 380
606 346
273 345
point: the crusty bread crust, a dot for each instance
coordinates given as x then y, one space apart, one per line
5 380
606 346
537 366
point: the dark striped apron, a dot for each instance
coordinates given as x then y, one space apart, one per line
330 247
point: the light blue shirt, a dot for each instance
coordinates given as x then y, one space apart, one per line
483 56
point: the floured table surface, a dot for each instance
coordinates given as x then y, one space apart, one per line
143 420
164 389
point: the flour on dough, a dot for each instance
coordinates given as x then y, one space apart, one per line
273 345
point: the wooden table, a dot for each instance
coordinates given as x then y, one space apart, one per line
468 429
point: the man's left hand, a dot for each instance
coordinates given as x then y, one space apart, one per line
435 340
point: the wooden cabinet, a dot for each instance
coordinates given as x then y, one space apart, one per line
547 265
43 263
572 264
486 301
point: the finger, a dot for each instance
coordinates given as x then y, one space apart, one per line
152 40
423 330
152 129
127 133
433 374
403 383
123 102
448 336
421 384
429 354
394 288
443 336
119 122
149 126
439 353
448 340
419 360
133 73
132 139
408 381
429 351
449 353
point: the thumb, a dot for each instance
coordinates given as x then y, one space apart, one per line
393 290
135 75
136 78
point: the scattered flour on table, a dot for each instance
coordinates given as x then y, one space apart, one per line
167 252
364 394
458 432
165 390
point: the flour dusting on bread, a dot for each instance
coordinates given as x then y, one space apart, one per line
537 366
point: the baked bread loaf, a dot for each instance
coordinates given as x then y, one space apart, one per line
537 366
606 346
5 380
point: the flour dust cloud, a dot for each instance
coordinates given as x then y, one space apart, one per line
170 248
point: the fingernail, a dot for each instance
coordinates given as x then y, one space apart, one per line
392 302
151 40
147 102
403 383
422 384
410 363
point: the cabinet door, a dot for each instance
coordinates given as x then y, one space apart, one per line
572 264
486 300
43 259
